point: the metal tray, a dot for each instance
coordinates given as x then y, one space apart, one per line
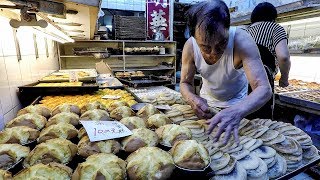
145 81
298 101
92 75
31 89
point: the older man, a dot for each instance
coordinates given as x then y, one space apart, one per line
227 58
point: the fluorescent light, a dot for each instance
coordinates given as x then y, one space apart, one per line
302 21
30 29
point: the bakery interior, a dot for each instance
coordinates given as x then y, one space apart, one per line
66 61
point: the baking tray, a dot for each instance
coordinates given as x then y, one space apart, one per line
299 101
144 81
31 89
92 75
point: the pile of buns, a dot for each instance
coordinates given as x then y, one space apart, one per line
180 113
129 74
162 98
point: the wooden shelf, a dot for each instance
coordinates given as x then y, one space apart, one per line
155 68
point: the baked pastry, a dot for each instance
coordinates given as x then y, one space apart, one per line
65 117
147 111
53 150
117 104
140 138
41 171
10 154
66 108
34 121
5 175
157 120
95 115
133 122
20 135
171 133
36 109
92 106
82 132
60 130
121 112
190 155
101 166
87 148
150 163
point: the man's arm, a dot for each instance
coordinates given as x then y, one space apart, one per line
283 58
188 71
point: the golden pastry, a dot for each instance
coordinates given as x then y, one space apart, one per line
5 175
95 115
133 122
172 133
87 148
53 150
140 138
157 120
92 106
34 121
121 112
190 155
66 108
65 117
101 166
82 132
36 109
117 104
20 135
41 171
10 154
150 163
147 111
60 130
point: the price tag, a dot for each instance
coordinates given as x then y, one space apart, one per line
73 76
104 130
111 97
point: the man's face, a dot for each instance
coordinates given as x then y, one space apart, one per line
212 47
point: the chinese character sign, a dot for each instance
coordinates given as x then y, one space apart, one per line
158 14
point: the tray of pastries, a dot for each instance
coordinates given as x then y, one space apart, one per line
65 75
142 50
161 147
296 86
309 99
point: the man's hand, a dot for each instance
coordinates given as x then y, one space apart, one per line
201 107
228 121
283 82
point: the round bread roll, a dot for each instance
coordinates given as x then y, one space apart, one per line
147 111
101 166
92 106
117 104
82 132
60 130
10 154
87 148
41 171
171 133
157 120
64 117
34 121
140 138
121 112
5 175
190 154
53 150
150 163
35 109
238 173
95 115
66 108
20 135
133 122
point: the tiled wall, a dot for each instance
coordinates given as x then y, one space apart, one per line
14 73
305 68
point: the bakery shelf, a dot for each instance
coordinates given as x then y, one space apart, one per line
150 55
154 68
73 56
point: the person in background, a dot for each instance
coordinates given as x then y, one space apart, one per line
227 58
271 39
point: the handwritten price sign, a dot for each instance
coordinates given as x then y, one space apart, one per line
104 130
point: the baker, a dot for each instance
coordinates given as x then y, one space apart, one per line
227 59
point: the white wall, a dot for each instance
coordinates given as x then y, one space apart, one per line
305 68
134 5
14 73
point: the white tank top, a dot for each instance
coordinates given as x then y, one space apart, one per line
223 85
